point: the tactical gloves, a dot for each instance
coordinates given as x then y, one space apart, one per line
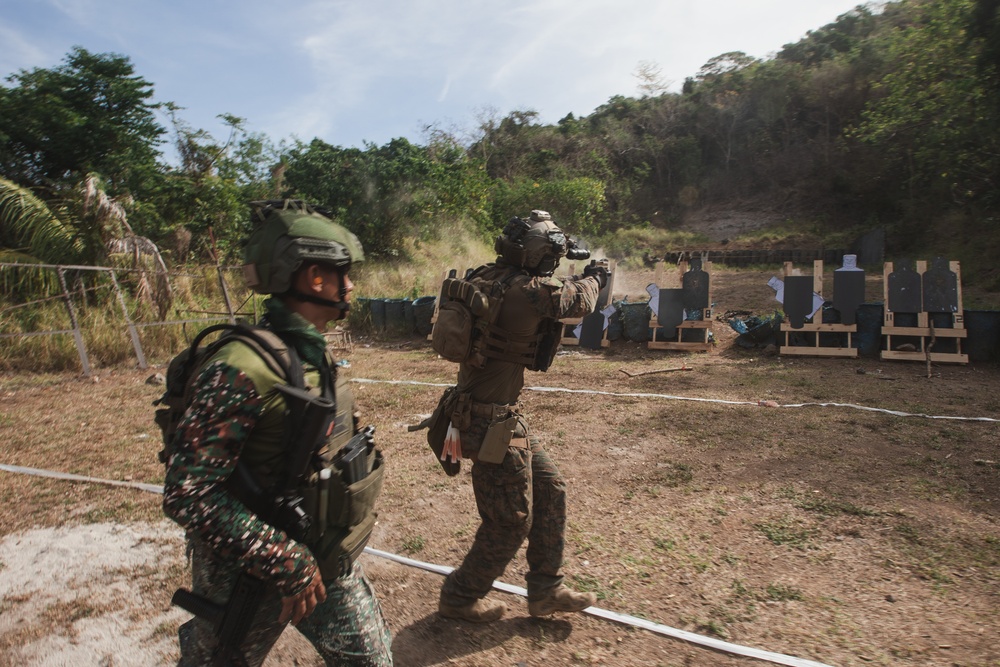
597 270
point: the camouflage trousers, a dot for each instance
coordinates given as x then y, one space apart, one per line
522 497
348 629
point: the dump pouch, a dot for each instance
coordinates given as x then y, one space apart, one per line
336 552
438 429
497 440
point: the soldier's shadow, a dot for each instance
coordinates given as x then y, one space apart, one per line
433 640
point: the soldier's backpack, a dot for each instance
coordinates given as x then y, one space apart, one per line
462 317
184 368
466 328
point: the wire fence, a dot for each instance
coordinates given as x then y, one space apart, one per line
138 306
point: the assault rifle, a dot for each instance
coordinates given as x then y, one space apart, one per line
231 622
281 505
315 415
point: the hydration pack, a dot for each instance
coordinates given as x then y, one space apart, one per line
464 312
185 366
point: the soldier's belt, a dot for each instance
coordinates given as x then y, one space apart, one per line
491 411
520 443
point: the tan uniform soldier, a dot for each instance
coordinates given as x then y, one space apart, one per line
519 492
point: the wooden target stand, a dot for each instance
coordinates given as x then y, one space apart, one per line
938 290
819 332
703 302
339 340
603 300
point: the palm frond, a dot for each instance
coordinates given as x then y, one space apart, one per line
31 225
108 212
133 244
25 279
15 256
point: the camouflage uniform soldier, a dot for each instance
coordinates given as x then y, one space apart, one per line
236 421
520 494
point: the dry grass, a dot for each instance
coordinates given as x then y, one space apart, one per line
419 274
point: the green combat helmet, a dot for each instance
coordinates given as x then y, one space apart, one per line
288 233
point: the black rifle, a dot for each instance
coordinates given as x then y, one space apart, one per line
314 416
281 504
231 622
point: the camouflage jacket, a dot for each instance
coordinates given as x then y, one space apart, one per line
225 410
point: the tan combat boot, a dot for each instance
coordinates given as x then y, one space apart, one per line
561 599
479 611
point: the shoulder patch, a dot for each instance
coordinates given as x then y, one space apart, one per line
551 281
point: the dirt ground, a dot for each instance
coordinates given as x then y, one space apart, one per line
842 511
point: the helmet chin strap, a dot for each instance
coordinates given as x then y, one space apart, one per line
342 305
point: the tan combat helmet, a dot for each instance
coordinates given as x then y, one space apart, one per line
535 244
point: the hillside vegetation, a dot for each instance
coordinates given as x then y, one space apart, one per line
887 117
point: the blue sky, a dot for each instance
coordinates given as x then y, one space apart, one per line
356 71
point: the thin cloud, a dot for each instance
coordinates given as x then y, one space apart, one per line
84 12
350 72
19 53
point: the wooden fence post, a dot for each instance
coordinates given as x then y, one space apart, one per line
136 345
77 336
225 294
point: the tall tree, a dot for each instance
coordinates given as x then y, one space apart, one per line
387 194
984 23
92 114
200 205
936 118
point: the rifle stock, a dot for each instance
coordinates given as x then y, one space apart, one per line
231 622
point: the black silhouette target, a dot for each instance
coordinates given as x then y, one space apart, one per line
940 288
592 326
670 311
695 286
848 293
592 331
798 303
904 291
